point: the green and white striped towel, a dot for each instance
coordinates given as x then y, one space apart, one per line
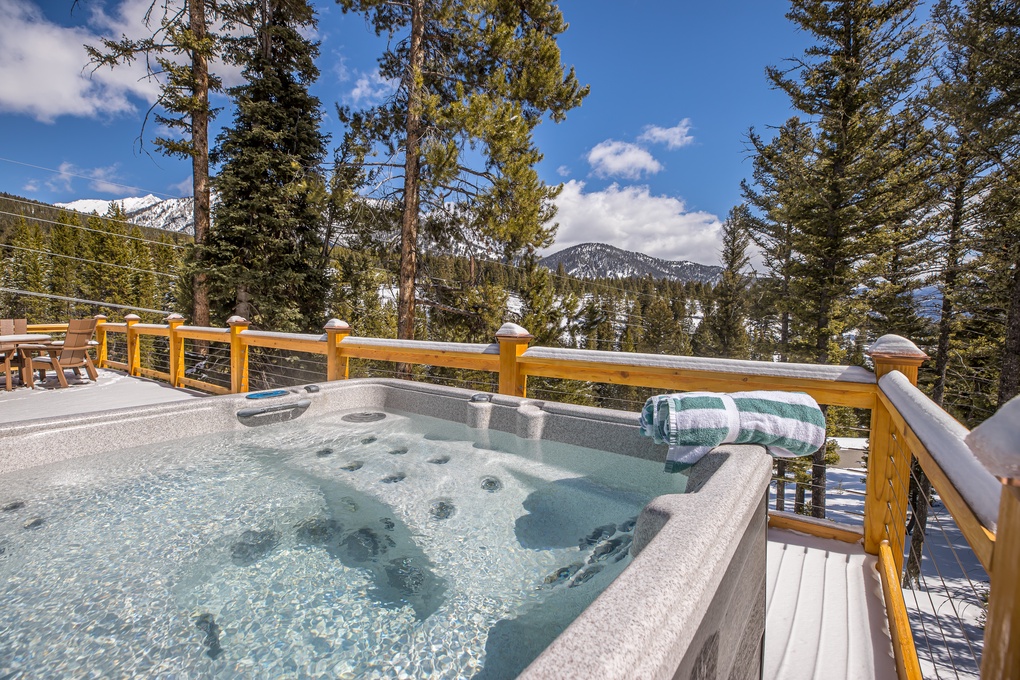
788 424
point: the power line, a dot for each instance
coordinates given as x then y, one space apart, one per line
81 259
74 299
92 179
96 231
79 212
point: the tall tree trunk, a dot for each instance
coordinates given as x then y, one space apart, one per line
412 151
1009 377
798 498
200 156
920 485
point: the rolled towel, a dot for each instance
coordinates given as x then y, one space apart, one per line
788 424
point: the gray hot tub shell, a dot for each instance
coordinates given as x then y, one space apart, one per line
690 605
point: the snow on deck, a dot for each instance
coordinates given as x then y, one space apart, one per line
825 613
113 389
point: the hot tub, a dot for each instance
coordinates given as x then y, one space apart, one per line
375 528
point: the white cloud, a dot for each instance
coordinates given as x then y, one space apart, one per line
633 219
563 171
371 88
41 70
185 187
99 179
622 159
31 186
674 137
45 71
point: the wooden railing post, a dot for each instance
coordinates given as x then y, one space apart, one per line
102 348
885 506
176 349
134 355
513 341
996 444
238 355
337 365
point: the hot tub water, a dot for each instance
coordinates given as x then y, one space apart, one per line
403 547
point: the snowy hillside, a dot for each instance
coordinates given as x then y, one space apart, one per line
101 205
600 260
172 214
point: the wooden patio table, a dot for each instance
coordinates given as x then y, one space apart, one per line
22 342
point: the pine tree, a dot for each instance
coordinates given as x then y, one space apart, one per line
725 327
474 81
265 254
177 53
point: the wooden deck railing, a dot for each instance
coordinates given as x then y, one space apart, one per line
905 424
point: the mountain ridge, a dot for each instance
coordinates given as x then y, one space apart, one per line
601 260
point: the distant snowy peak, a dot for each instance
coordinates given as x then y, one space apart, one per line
101 205
600 260
172 214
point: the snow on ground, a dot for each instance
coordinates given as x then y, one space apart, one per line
113 389
945 607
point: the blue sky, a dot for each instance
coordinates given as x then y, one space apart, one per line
652 160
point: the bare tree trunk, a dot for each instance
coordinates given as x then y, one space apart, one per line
200 157
412 151
920 486
798 498
780 484
1009 377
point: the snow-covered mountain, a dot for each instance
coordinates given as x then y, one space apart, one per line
101 205
172 214
600 260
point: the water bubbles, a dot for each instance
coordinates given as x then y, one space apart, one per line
491 484
352 466
34 523
369 440
363 417
442 509
398 451
440 460
13 505
393 479
322 453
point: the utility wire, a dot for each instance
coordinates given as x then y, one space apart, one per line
96 231
91 179
83 214
18 291
81 259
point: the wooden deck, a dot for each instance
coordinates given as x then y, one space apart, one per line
825 611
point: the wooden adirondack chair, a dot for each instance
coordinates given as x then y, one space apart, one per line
72 354
7 352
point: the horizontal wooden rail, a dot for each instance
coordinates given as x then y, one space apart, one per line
980 538
119 365
294 342
815 527
154 374
113 327
477 357
907 667
202 333
837 385
205 386
152 329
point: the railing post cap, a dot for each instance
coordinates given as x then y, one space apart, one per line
336 325
895 347
512 331
132 317
174 317
996 443
237 321
100 317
